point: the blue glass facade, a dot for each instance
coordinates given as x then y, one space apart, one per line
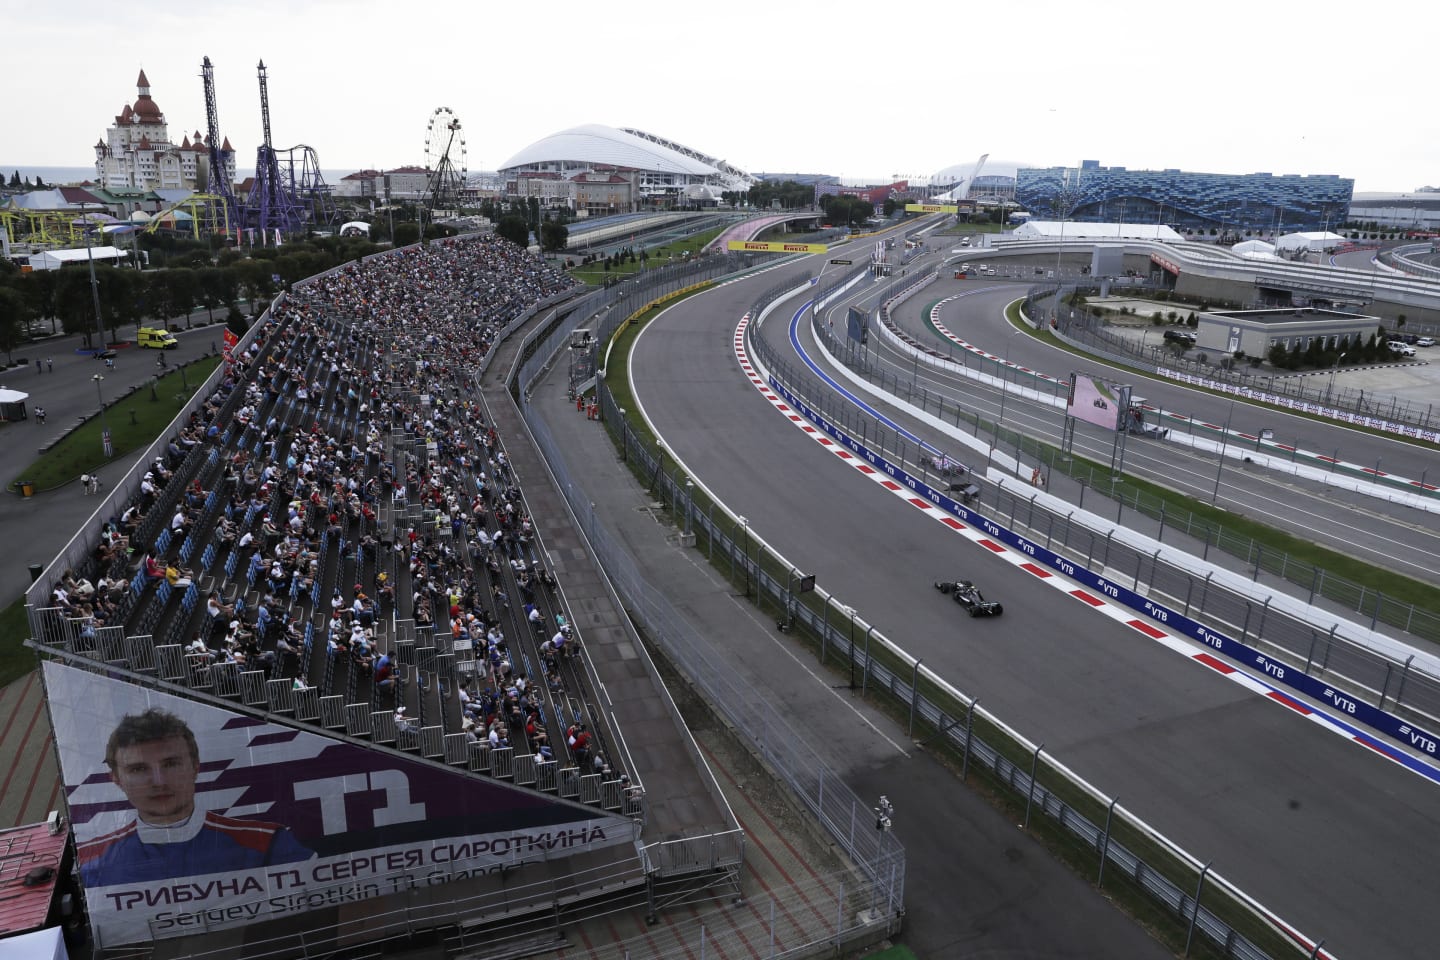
1233 203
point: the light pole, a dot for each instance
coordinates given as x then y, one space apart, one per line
1003 391
1224 438
105 444
94 285
1333 370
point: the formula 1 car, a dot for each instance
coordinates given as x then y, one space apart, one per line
968 596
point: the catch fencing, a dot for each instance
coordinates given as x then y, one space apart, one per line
875 897
1198 900
1081 328
1185 529
1387 682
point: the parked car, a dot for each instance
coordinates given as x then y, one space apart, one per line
1402 348
1425 342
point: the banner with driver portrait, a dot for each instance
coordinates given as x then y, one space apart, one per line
189 817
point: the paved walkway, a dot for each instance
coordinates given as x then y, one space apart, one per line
977 886
35 529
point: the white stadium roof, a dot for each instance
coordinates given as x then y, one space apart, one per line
599 145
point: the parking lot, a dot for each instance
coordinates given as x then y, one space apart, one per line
1414 379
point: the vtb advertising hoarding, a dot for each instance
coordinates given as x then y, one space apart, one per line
189 817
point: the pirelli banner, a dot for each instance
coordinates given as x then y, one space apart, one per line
931 208
764 246
189 818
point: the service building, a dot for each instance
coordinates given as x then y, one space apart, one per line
1256 331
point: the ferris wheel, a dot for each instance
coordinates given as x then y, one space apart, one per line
445 159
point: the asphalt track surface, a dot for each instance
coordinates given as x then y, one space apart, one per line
1334 840
1350 522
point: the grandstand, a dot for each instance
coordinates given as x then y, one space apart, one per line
356 621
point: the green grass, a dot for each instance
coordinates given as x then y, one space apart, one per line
891 953
15 660
1012 314
134 421
1281 550
596 274
1083 859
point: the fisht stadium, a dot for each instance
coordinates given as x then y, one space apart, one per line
607 169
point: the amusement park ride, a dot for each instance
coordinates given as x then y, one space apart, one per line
445 161
289 194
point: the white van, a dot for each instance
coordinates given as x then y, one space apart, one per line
1402 348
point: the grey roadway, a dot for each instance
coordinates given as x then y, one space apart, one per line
34 535
978 887
1348 521
1396 456
1319 830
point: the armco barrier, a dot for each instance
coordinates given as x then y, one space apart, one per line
1376 666
958 730
1273 670
1165 872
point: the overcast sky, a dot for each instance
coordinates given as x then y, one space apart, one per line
847 88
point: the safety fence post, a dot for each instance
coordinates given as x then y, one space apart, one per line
1105 843
969 733
1195 911
914 695
1030 795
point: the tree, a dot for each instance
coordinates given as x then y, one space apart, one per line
788 193
14 314
889 206
74 304
253 279
850 210
184 287
554 236
217 287
117 298
15 180
159 306
40 294
513 228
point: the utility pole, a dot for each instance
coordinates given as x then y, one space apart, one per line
94 285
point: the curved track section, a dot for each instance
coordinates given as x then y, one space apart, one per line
1298 819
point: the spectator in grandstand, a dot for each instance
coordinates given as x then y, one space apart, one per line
178 576
215 606
154 570
384 673
154 759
